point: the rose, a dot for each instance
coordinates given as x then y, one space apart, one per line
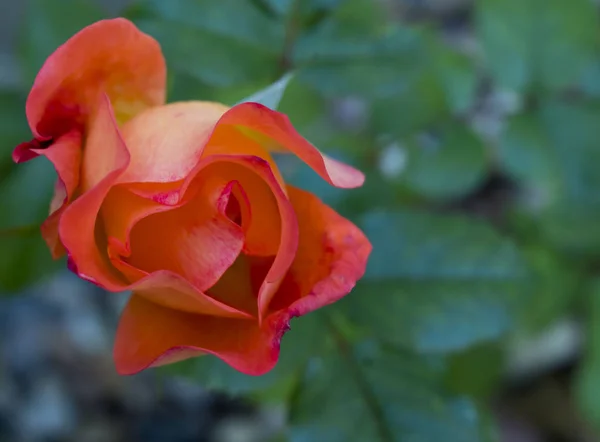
183 205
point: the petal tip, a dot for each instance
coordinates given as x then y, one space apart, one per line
343 175
25 151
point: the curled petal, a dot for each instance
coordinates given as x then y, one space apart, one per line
267 219
227 140
288 238
196 240
120 211
150 335
332 255
65 155
260 219
173 291
275 133
88 252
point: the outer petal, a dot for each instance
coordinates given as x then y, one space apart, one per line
332 255
78 223
149 335
274 131
227 140
110 56
166 142
65 154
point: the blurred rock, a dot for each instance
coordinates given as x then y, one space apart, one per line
58 382
27 331
78 304
48 413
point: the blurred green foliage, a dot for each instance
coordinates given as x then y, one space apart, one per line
419 346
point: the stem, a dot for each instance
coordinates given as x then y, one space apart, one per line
20 230
385 434
292 28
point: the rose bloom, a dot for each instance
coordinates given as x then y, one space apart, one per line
183 205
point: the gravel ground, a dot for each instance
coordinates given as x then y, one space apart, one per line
58 382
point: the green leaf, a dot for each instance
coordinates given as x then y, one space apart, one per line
437 283
26 194
370 395
556 285
448 164
525 154
476 371
587 383
553 155
458 77
26 191
221 43
532 43
232 20
305 108
306 7
47 26
570 221
424 96
271 95
590 79
350 53
13 127
574 135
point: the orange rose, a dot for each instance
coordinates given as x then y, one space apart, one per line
183 205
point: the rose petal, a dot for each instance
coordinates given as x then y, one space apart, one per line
126 204
274 131
332 255
120 211
77 225
195 240
110 57
166 142
150 335
173 291
288 239
116 250
88 252
271 228
65 154
262 223
235 287
226 140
